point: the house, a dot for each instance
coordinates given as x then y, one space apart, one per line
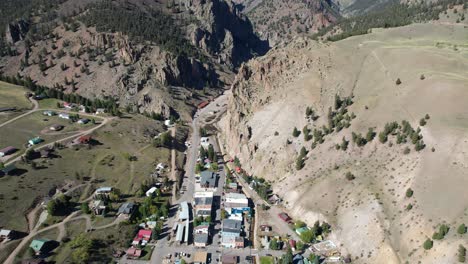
203 202
203 104
301 230
8 170
100 111
274 199
200 240
35 141
236 203
231 227
151 191
205 142
56 127
69 105
7 151
203 228
6 234
184 211
233 186
229 259
126 210
85 139
208 179
98 207
103 191
7 109
148 225
49 113
133 253
41 246
200 257
83 121
160 167
232 242
64 115
143 237
40 96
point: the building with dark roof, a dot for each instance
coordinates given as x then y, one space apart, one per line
208 179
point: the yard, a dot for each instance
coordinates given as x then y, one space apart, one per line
105 164
18 133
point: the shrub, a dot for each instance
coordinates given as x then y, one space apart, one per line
422 122
461 253
406 151
461 229
398 81
443 230
299 163
422 77
428 244
296 132
409 192
350 176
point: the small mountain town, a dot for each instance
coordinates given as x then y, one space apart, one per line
233 131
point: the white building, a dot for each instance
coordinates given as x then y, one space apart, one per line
151 191
205 142
64 115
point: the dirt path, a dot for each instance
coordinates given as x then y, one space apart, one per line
35 108
25 240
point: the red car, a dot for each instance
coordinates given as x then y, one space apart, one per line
285 217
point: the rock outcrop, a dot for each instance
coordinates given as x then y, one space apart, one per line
16 31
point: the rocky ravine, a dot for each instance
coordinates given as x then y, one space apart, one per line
369 215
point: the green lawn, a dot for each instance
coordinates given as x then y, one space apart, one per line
267 260
49 103
146 253
14 95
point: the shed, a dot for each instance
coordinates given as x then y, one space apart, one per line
35 141
7 151
9 169
40 245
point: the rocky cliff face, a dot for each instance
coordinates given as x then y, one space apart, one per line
281 20
16 31
369 215
134 71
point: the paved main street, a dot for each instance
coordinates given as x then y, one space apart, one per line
166 245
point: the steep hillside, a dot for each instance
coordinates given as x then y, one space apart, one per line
387 189
280 20
155 56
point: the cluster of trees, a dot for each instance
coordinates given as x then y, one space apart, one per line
301 158
403 133
91 105
360 140
82 246
163 140
317 230
200 219
261 186
393 15
153 25
153 207
339 118
59 206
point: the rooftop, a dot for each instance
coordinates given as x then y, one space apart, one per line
200 238
184 211
126 208
208 178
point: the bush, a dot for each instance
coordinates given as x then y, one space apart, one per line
422 122
299 163
461 253
461 229
296 132
428 244
443 230
406 151
409 192
398 81
350 176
